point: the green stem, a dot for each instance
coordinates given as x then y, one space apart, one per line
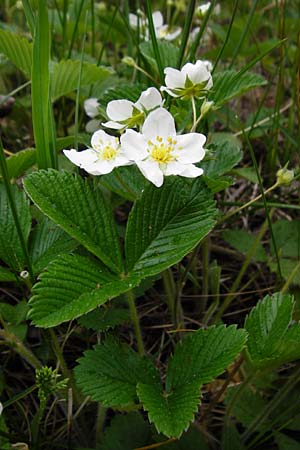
20 348
194 115
186 31
101 416
136 322
5 177
170 291
205 271
154 40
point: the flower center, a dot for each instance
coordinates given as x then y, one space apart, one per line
108 153
161 150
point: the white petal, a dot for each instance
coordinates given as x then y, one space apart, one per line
174 78
133 20
91 107
164 88
158 19
133 146
81 158
149 99
113 125
197 73
192 148
118 110
208 64
121 160
101 138
174 168
159 123
151 171
191 171
165 32
100 167
92 125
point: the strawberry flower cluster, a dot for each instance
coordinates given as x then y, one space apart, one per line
156 148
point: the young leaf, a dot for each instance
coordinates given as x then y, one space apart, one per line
18 163
110 373
47 243
80 209
126 433
267 325
243 240
171 412
11 251
169 222
17 49
72 286
229 84
64 77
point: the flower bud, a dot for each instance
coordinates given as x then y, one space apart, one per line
206 107
128 61
285 176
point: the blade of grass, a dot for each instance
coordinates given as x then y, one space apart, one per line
186 31
29 15
75 28
154 40
201 31
40 80
6 180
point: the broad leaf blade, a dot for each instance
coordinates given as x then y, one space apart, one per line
11 251
170 412
128 182
79 208
267 324
17 49
110 373
6 275
72 286
169 222
18 163
225 152
204 355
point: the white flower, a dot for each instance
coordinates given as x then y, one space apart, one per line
162 31
202 9
193 80
124 113
91 106
102 158
158 152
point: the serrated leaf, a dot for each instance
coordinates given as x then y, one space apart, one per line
170 222
204 355
14 314
65 74
110 373
170 412
168 53
229 84
103 318
267 325
72 286
47 243
217 185
18 163
225 153
126 91
11 251
6 275
243 241
120 436
80 209
128 182
17 49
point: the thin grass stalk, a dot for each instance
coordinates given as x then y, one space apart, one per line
244 34
29 15
75 29
64 26
154 40
227 36
100 56
6 180
186 31
93 27
201 31
40 88
136 322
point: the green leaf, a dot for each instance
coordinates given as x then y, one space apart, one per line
231 439
18 163
229 84
17 49
204 355
225 153
169 223
126 91
6 275
110 373
267 325
72 286
246 172
243 242
80 209
126 433
104 318
11 251
47 243
14 314
286 442
64 76
128 182
168 52
217 184
170 412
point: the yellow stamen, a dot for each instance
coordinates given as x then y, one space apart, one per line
109 152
